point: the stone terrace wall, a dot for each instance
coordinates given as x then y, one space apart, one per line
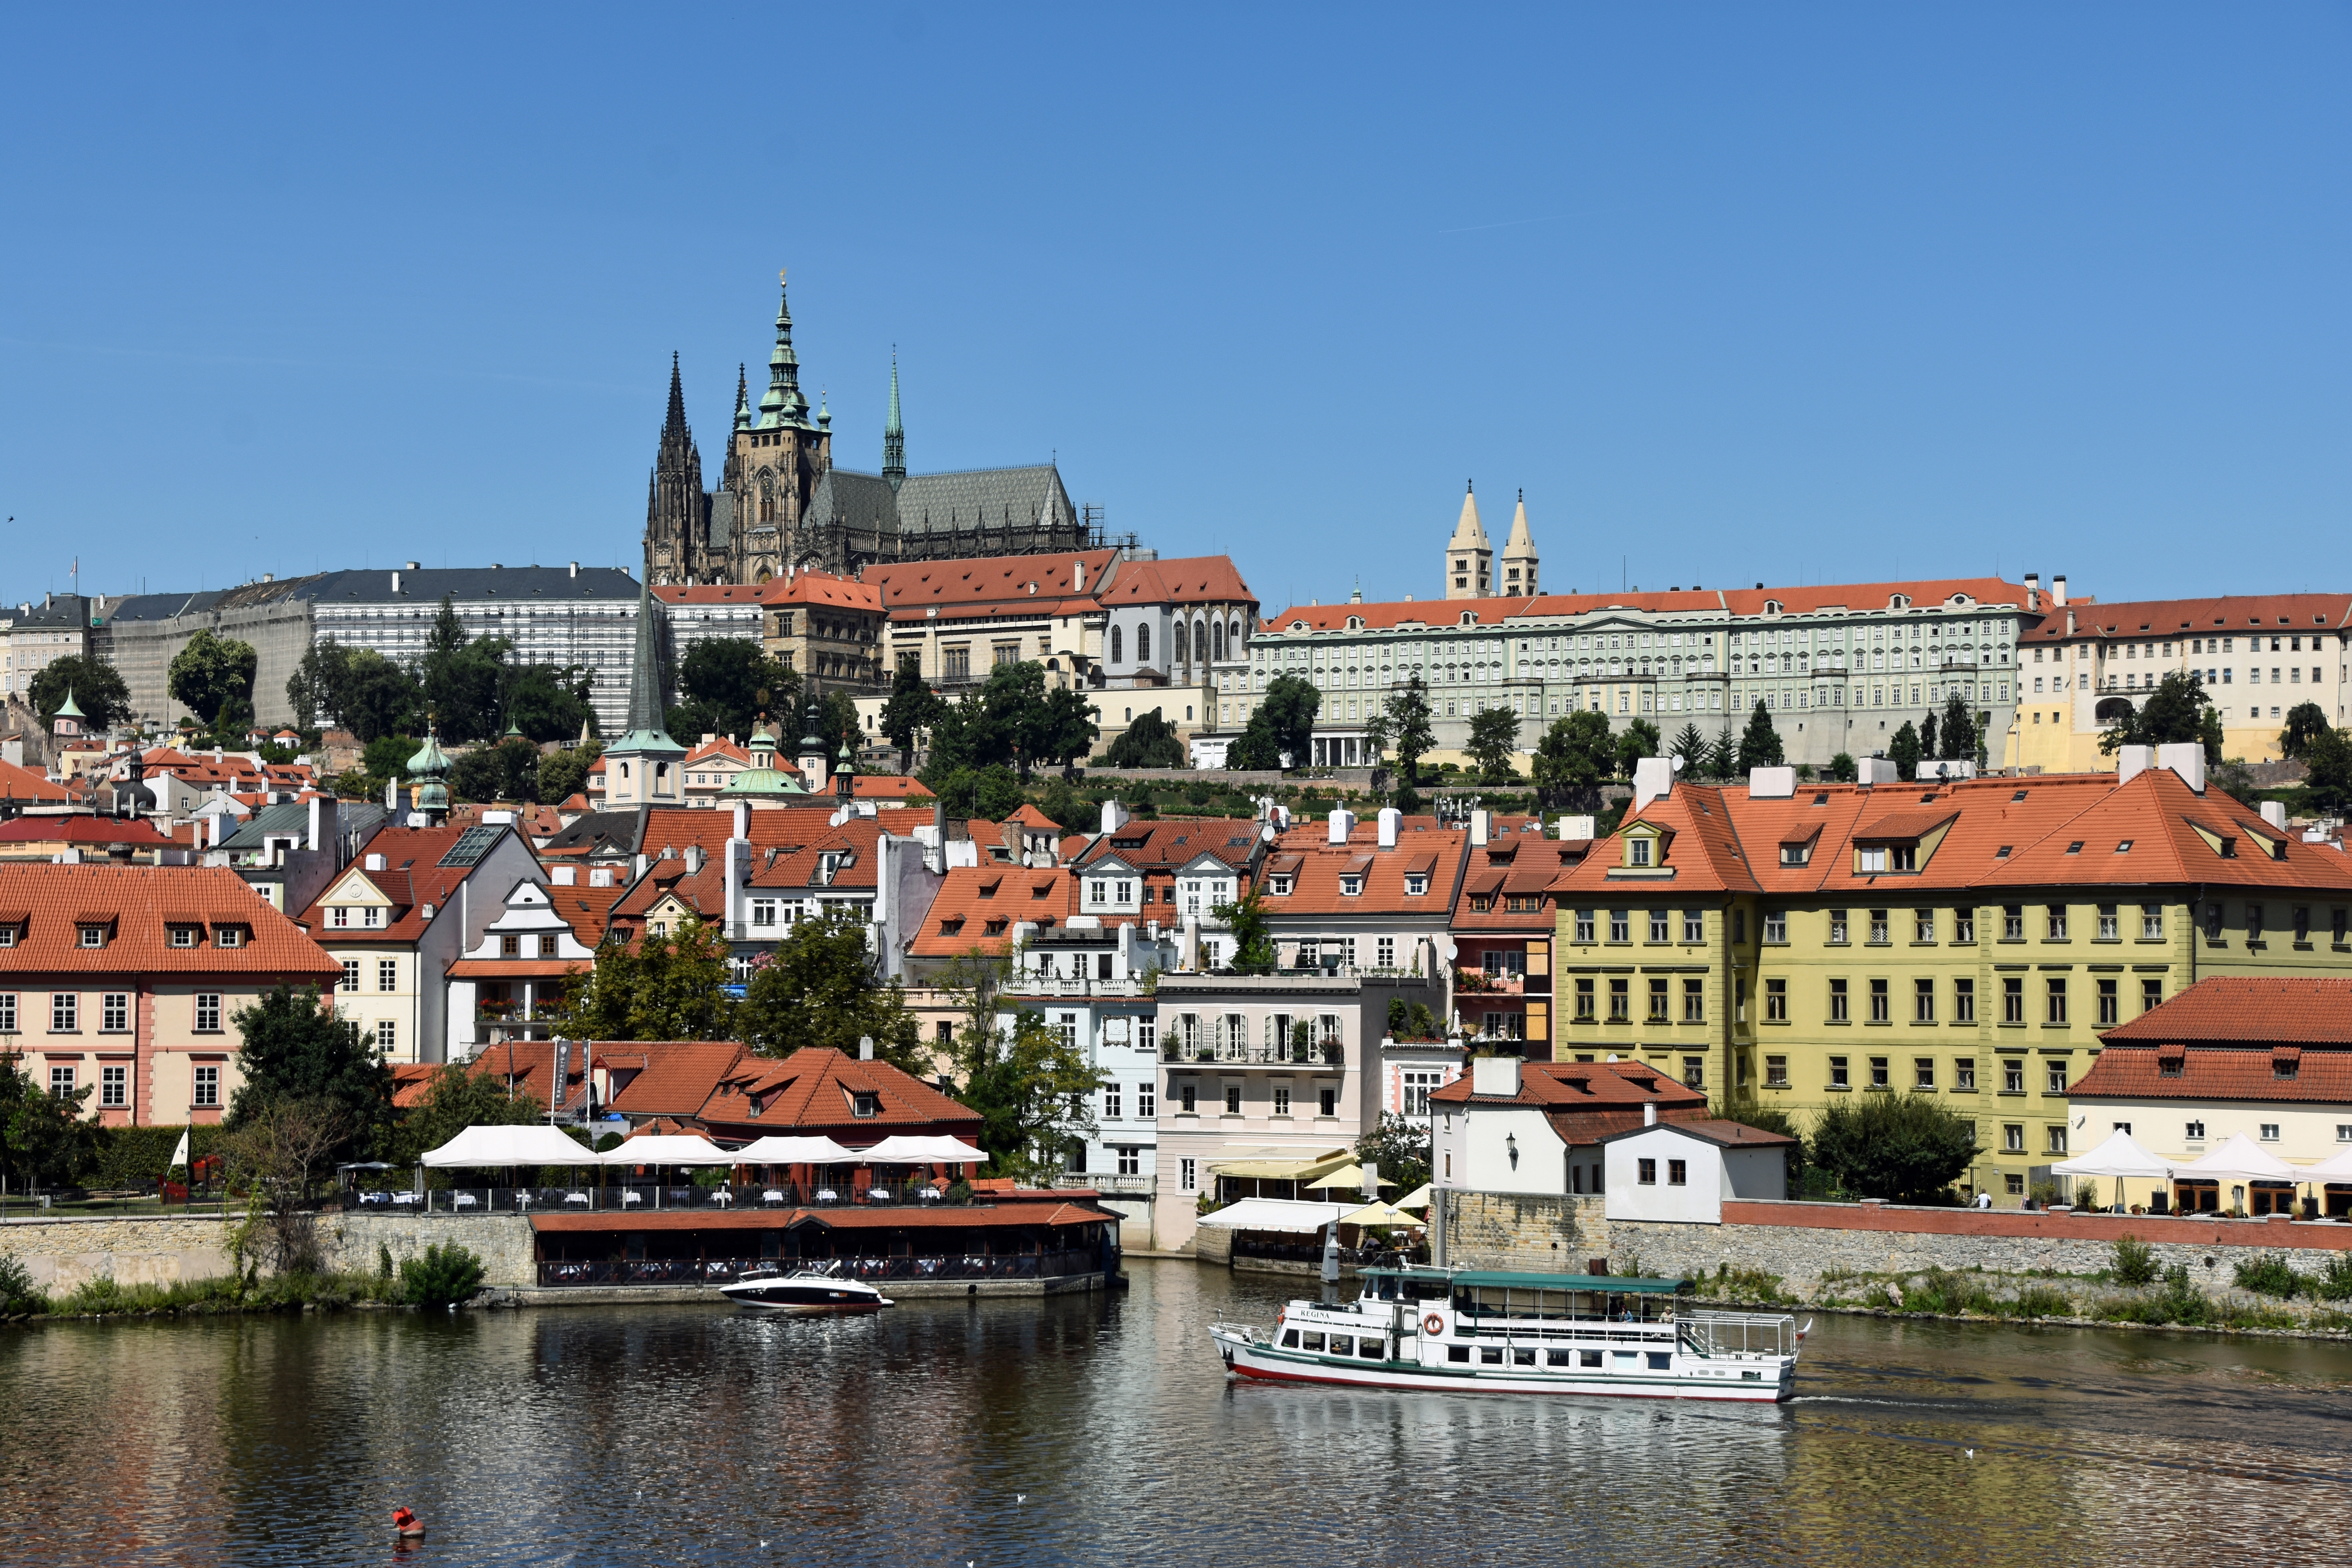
63 1254
1802 1242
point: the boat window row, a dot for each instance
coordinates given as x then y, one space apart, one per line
1521 1302
1368 1347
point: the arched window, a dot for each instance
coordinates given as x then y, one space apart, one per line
1143 644
1183 644
1234 639
1217 640
1116 656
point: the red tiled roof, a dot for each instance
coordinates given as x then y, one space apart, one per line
1164 845
977 907
813 1091
706 593
411 1083
139 904
2243 1010
2216 1072
667 1077
2171 619
1586 1101
823 590
1186 580
413 877
1798 600
79 829
25 784
585 909
994 585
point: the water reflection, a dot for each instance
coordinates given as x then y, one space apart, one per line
1086 1431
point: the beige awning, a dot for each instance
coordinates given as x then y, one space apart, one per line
1296 1168
1380 1214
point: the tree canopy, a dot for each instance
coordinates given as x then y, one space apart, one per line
1246 917
214 676
562 774
725 683
1905 1148
294 1048
1760 743
1577 752
1494 738
2305 722
1282 725
1404 728
2327 783
42 1136
94 685
820 986
1011 719
1639 739
455 1097
669 987
2178 710
508 770
1402 1150
1033 1089
1957 739
1151 741
1905 751
358 689
913 708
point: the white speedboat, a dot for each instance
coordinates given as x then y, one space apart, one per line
804 1292
1470 1331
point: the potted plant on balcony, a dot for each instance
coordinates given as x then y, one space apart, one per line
1301 1040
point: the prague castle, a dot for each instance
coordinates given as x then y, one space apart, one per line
781 504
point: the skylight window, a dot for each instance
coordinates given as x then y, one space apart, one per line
471 846
2124 846
2001 853
2075 847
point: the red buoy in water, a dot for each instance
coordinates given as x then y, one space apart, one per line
405 1523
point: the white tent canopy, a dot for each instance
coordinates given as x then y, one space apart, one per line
532 1144
773 1149
2118 1156
668 1149
1277 1213
910 1151
2240 1159
2336 1167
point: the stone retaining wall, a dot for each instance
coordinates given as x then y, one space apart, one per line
63 1254
1803 1242
503 1242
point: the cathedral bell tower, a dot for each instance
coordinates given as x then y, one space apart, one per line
778 454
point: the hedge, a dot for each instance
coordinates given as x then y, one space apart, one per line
137 1157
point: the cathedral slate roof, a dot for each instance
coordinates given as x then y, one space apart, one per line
858 501
937 503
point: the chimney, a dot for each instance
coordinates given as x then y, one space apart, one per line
373 863
314 838
1872 772
1648 1113
1078 576
2185 758
1388 819
2274 813
1371 1180
2033 590
1114 817
694 859
1572 828
2133 761
412 565
2058 590
564 876
1497 1076
575 569
864 1047
1343 823
1478 820
742 819
1653 779
1771 784
396 581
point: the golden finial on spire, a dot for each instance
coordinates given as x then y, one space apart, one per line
780 275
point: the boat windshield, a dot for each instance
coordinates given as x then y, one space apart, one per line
1520 1302
1384 1286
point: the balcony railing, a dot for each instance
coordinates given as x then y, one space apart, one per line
724 1270
1106 1183
1065 986
1325 1053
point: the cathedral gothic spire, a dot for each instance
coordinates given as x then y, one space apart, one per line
675 507
783 404
894 435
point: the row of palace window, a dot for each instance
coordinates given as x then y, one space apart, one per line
114 1085
1880 1071
1188 1100
1878 996
113 1012
2051 920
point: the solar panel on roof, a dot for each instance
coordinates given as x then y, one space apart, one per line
471 846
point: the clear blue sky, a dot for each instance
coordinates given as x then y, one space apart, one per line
1736 294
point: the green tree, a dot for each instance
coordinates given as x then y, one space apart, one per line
1067 730
1494 737
547 702
912 708
293 1048
1282 725
1149 743
1725 762
669 987
460 681
1639 739
508 771
214 676
1957 740
1843 769
1927 737
1401 1151
1760 744
96 688
2327 784
1245 916
990 794
386 756
1034 1093
1903 1148
1692 748
317 689
378 698
1577 752
2305 722
725 683
1404 726
1904 751
562 774
2178 710
42 1135
823 987
459 1096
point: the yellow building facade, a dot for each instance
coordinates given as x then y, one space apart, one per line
1971 941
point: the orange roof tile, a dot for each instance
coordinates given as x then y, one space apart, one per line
1025 585
25 784
817 1091
823 589
1186 580
139 904
2217 1072
977 907
2229 1009
2222 615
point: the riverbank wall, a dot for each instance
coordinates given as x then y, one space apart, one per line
63 1254
1810 1245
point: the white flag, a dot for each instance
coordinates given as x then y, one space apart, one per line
180 1152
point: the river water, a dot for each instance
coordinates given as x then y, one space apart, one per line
1082 1430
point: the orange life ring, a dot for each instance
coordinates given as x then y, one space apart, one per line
1433 1324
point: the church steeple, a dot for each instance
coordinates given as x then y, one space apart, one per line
743 400
674 423
783 404
673 497
1469 557
894 435
641 767
1519 560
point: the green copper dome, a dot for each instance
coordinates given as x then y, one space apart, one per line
429 770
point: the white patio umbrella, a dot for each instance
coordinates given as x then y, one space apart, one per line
2336 1167
907 1150
2240 1159
534 1143
668 1149
775 1150
2118 1159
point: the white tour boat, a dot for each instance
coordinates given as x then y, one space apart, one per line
1475 1331
805 1291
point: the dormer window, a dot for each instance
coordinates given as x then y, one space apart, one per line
1637 851
1350 887
93 935
228 936
1416 883
182 936
1795 854
866 1102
